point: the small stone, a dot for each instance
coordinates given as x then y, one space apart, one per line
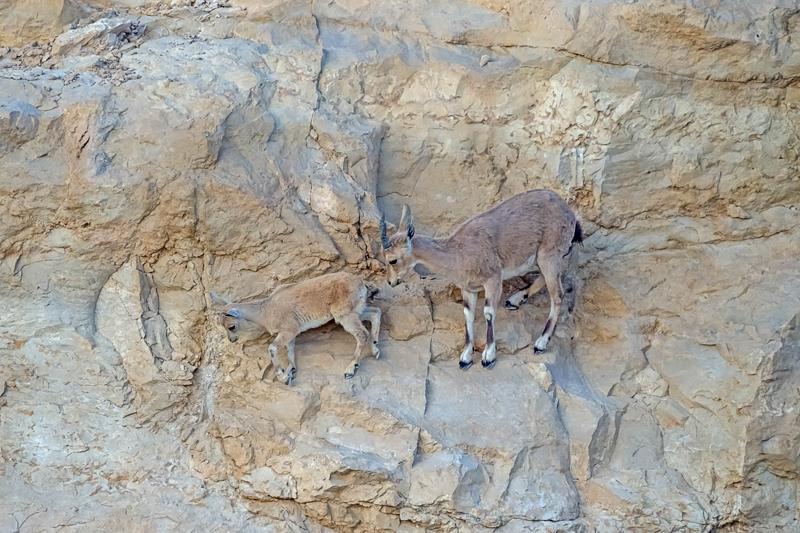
265 483
734 211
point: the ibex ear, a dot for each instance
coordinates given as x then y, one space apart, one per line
218 300
233 312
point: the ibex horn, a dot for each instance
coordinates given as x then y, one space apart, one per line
384 237
403 214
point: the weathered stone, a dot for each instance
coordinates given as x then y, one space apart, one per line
235 145
264 482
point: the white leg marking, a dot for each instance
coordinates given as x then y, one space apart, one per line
494 291
541 343
466 355
469 317
470 303
490 351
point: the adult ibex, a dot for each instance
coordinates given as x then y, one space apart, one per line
292 309
532 228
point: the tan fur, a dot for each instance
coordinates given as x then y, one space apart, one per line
534 228
292 309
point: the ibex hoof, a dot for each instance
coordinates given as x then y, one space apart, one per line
289 376
541 344
464 366
510 306
488 364
350 373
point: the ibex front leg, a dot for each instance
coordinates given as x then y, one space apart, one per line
494 290
373 314
352 324
286 339
470 303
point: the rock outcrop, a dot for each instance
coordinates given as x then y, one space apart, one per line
151 152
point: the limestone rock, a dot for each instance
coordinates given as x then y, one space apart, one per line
153 152
98 36
265 483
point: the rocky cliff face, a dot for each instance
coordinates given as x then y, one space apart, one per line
153 151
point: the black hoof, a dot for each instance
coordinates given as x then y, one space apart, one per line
488 364
537 350
510 306
348 375
464 366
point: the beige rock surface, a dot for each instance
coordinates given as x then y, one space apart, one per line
152 151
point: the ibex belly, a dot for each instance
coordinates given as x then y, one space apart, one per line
307 323
527 266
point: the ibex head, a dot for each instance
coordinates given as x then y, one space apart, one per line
230 316
398 250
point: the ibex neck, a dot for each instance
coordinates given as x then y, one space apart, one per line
250 311
432 254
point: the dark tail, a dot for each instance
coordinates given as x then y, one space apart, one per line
578 236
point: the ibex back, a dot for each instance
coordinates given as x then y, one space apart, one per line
534 228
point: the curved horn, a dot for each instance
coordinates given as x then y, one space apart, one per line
410 223
384 238
403 214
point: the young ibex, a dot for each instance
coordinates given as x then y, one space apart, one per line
292 309
532 228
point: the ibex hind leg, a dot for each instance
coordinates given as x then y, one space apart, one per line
352 324
494 292
551 272
470 303
373 316
518 298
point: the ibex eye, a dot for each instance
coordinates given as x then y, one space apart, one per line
231 328
393 262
